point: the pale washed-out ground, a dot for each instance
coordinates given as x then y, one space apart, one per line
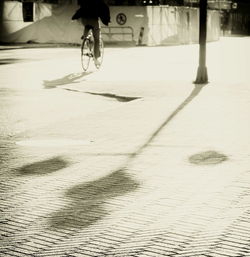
130 160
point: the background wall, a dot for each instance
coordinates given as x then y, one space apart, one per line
146 25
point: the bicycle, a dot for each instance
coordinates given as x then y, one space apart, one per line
87 51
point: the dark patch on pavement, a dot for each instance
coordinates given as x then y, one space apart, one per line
86 201
43 167
10 61
117 97
207 158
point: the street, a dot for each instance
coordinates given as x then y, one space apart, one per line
129 160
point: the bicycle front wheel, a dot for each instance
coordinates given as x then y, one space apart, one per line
85 53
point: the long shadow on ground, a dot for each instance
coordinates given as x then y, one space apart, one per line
195 92
11 61
86 202
116 97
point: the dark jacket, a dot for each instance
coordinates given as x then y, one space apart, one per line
93 9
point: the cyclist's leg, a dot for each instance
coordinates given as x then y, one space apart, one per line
86 27
96 34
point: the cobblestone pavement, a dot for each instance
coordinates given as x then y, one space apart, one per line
165 174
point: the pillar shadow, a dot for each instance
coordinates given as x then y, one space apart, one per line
86 201
195 92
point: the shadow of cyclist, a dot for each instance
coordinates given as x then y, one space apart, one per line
68 79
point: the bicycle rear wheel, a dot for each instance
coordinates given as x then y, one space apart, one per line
85 53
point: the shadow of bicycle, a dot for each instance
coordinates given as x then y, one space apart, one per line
68 79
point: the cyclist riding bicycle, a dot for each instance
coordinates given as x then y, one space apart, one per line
90 11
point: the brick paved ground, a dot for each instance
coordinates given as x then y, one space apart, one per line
163 175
